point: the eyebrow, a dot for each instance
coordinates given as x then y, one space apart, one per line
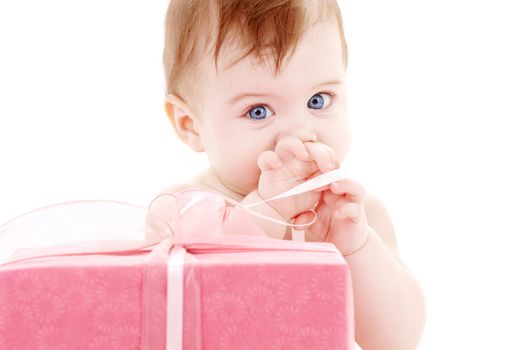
243 95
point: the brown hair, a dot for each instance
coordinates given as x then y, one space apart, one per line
275 25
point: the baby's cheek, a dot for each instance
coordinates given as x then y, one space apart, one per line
242 167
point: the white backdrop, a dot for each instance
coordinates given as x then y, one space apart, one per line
436 102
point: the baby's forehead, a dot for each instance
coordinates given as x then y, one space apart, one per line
317 49
264 32
232 51
225 45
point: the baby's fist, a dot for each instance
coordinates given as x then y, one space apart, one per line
292 163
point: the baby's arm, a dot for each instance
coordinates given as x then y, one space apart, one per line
389 303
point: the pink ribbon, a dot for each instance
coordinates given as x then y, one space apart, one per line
200 223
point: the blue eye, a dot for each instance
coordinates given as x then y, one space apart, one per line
317 101
258 112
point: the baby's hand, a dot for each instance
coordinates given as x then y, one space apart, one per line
292 163
341 217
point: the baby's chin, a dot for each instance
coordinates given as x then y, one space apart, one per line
233 186
241 181
243 189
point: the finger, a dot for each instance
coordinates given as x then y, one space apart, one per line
351 189
289 147
302 219
350 210
315 232
268 160
322 188
333 200
323 155
333 159
343 191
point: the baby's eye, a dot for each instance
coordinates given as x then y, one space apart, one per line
317 101
258 112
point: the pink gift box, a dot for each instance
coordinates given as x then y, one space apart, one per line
234 293
244 300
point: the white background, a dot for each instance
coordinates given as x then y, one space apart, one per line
436 102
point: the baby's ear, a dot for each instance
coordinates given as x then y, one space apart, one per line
184 122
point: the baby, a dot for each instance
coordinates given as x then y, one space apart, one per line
259 85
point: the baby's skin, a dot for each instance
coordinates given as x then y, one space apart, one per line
265 134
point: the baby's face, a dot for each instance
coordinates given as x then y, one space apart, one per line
245 110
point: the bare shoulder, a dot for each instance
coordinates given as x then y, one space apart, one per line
379 219
197 181
176 188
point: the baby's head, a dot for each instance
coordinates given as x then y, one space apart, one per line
241 74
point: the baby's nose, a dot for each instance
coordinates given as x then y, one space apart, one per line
303 134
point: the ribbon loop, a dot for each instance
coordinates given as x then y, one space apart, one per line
105 227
